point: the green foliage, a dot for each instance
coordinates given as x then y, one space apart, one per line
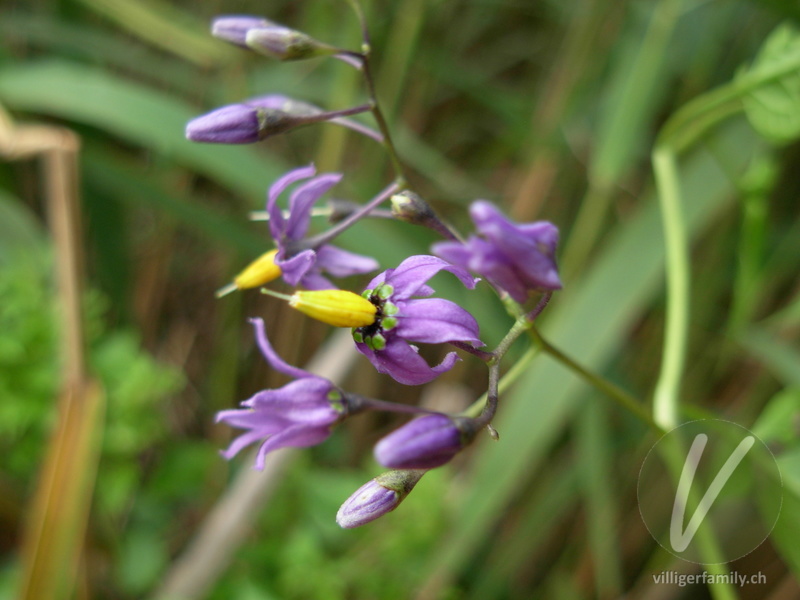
551 109
774 109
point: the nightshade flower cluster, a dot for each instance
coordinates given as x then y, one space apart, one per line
398 309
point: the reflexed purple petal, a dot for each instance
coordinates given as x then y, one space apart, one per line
299 436
272 357
411 274
276 220
530 247
516 258
341 263
258 420
424 443
479 256
239 443
312 280
295 268
402 363
435 321
369 502
304 400
303 199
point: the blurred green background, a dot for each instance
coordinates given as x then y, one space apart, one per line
551 109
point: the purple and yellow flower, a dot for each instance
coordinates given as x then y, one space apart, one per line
301 413
426 442
304 266
518 258
400 319
377 497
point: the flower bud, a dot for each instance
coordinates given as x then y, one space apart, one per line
282 43
377 497
426 442
234 28
339 308
411 208
240 124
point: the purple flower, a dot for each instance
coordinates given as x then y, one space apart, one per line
426 442
377 497
304 266
301 413
400 319
515 258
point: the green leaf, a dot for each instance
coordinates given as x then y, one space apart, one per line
781 358
135 114
777 421
774 108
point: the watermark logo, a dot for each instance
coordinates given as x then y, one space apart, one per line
710 480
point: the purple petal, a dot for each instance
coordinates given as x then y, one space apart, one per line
479 256
272 357
239 443
276 220
303 199
299 436
435 321
260 421
295 268
314 280
411 274
402 363
341 263
529 247
304 400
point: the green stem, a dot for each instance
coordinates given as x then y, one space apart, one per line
667 389
620 396
369 80
506 381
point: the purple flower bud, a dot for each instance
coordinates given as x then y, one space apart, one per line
426 442
234 28
377 497
240 124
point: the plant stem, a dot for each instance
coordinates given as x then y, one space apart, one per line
620 396
369 80
366 209
667 390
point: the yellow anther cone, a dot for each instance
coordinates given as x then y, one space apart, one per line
339 308
262 270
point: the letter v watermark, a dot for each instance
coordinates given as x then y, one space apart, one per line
680 539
